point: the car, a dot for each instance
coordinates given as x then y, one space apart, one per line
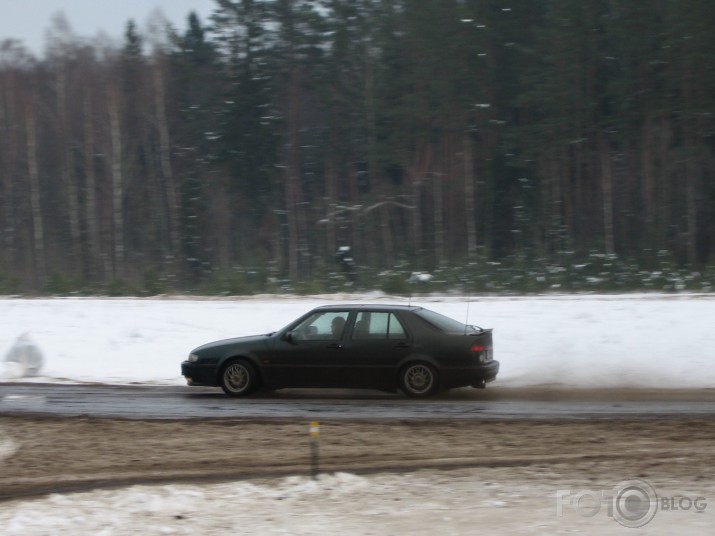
385 347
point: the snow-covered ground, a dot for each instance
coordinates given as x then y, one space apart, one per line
644 340
466 502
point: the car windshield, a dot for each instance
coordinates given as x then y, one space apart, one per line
441 322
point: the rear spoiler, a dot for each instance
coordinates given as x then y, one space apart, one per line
477 330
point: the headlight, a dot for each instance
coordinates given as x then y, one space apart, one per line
193 358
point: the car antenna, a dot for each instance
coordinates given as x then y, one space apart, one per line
466 322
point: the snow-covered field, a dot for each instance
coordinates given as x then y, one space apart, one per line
644 340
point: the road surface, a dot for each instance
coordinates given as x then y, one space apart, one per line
179 402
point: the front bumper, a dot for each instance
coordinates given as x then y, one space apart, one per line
197 374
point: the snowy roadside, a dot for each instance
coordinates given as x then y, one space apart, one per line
492 500
513 474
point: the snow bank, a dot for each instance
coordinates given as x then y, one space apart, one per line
583 341
503 501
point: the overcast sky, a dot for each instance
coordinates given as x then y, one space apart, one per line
28 20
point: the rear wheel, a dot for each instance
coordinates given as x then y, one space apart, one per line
238 378
418 379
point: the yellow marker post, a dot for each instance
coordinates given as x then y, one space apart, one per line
314 455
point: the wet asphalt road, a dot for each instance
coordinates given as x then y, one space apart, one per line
179 402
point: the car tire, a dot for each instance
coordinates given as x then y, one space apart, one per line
238 378
419 379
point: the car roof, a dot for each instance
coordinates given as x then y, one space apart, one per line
371 307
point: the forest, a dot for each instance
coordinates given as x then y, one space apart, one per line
396 145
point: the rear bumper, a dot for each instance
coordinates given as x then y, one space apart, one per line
490 371
465 376
199 375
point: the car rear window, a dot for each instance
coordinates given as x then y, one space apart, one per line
441 322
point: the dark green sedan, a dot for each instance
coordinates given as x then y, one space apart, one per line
385 347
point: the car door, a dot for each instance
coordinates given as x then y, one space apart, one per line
299 357
377 343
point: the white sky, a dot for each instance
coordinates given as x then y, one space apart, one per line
28 20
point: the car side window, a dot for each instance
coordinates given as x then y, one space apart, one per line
396 331
323 326
369 325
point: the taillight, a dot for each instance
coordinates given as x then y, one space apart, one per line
481 351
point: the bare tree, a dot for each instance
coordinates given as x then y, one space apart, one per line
608 198
62 47
90 182
38 232
167 173
13 61
116 162
470 212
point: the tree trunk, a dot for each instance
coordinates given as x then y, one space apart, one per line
117 184
292 178
438 218
691 167
417 218
608 210
385 255
423 162
8 159
648 171
331 194
692 212
92 220
68 169
551 198
470 212
35 199
171 198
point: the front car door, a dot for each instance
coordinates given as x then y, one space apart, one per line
299 359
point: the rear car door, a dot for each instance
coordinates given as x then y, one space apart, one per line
377 343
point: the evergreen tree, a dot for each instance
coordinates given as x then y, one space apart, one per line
197 92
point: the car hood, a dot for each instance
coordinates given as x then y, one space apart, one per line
253 341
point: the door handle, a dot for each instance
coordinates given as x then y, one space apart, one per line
402 345
335 346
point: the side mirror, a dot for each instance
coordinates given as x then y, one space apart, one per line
288 337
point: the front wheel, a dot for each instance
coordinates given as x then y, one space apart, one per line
238 378
418 379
